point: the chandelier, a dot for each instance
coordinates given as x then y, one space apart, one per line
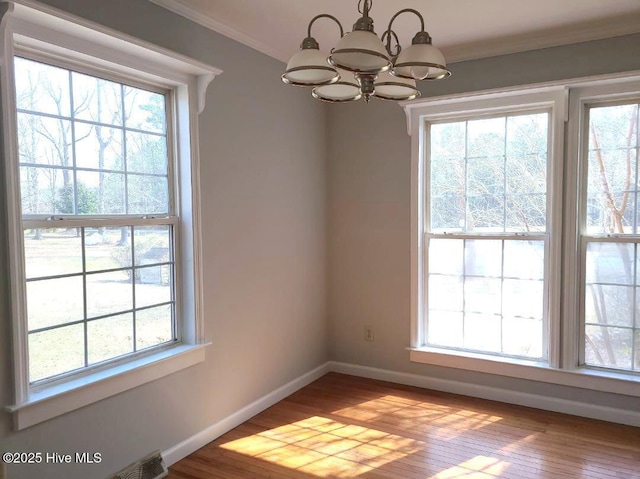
363 65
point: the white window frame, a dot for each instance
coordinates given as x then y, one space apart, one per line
547 236
562 265
581 99
30 26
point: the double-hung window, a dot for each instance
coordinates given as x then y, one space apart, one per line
526 241
487 233
610 230
103 221
98 214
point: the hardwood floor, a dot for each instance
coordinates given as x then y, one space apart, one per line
342 426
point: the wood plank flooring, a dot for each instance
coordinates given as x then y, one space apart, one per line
347 427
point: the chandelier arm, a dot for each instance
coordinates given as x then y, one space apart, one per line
388 34
411 10
325 15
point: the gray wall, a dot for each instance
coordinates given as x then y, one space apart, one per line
263 207
369 156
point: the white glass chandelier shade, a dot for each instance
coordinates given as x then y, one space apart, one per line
360 52
420 61
363 65
309 68
388 87
345 89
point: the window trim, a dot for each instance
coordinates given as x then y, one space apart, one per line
563 351
581 99
546 236
29 25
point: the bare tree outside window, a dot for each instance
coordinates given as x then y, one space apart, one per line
612 320
93 148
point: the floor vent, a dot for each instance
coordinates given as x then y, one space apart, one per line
150 467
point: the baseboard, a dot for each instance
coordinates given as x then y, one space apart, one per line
195 442
565 406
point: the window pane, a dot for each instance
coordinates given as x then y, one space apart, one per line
502 312
152 244
610 263
448 141
493 178
485 213
612 305
526 213
144 110
522 337
483 258
46 191
446 256
445 293
485 176
146 153
109 338
522 298
109 293
445 329
486 138
98 147
524 259
153 285
482 295
107 248
54 301
52 252
608 347
102 193
56 351
527 145
482 332
612 176
153 327
448 213
44 141
42 88
147 194
97 100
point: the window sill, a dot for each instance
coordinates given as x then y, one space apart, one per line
598 380
52 401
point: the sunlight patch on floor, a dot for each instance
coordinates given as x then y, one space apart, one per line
325 448
441 422
479 467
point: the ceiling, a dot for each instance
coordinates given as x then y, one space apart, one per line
462 29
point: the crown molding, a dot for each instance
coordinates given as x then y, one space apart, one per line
552 37
206 21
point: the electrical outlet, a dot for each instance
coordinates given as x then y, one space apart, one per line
368 333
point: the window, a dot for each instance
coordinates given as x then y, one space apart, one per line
103 215
93 161
525 244
611 279
487 234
